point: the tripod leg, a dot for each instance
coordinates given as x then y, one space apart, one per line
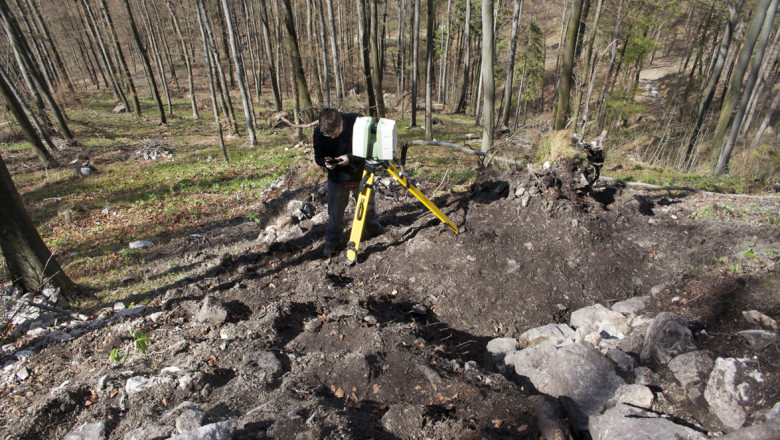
359 223
421 197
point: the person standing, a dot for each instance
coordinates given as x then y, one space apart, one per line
333 150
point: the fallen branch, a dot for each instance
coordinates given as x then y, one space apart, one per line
311 124
651 187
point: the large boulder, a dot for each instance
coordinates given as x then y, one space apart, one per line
729 388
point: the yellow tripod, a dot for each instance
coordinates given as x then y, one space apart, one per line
367 191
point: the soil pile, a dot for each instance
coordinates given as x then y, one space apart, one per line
273 341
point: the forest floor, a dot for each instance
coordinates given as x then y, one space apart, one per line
395 346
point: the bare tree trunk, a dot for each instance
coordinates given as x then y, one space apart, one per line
120 56
363 38
445 53
758 90
765 123
147 22
145 58
324 53
567 67
210 71
429 73
25 63
466 61
239 75
728 145
709 91
334 54
307 110
731 99
186 52
488 82
415 63
269 56
50 42
590 69
16 106
376 59
517 10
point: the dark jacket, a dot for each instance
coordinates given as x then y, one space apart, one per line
327 147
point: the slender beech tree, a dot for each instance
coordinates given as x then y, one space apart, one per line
186 51
200 12
763 37
269 55
488 81
306 107
120 56
324 53
145 61
461 102
429 74
517 10
47 159
443 62
415 57
363 31
731 98
334 53
562 110
239 74
376 59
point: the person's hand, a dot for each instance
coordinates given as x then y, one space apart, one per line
343 160
330 163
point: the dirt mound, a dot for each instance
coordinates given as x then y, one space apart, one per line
284 344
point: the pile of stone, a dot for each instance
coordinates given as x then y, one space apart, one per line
612 372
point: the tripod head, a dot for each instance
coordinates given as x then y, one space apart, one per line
374 142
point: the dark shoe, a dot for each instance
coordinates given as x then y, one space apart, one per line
330 250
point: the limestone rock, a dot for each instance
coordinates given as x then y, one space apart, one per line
212 311
691 368
757 318
214 431
667 337
757 339
598 318
626 422
632 306
404 420
88 431
262 364
726 392
557 334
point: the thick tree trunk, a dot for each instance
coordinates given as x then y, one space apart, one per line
307 110
567 67
30 263
145 61
240 75
758 57
415 63
590 69
488 82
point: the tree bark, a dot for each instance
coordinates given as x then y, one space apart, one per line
461 102
444 57
488 82
121 57
363 37
334 53
415 57
186 52
376 59
239 75
567 67
324 52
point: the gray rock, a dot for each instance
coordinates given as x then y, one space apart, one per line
626 422
88 431
633 342
691 368
23 374
403 420
557 334
151 432
313 325
189 420
598 318
621 359
634 394
724 393
658 289
140 244
498 348
757 318
130 312
667 337
763 431
140 384
214 431
576 371
56 336
212 311
632 306
757 339
644 376
262 364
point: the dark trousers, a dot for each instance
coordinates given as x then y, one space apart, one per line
338 199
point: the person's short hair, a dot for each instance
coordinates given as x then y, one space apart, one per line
330 120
